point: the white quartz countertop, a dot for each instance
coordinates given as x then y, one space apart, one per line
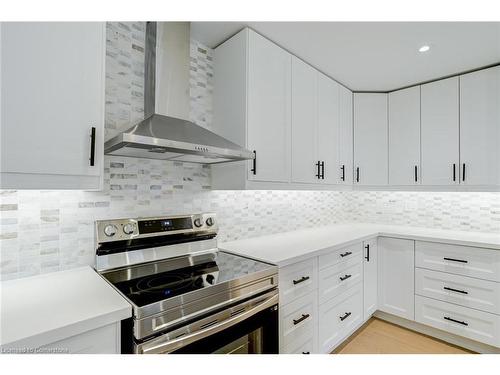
290 247
43 309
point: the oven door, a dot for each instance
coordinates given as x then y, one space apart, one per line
249 327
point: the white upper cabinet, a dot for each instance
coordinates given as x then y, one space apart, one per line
52 98
328 128
268 111
440 132
346 140
315 125
404 136
252 97
305 156
370 139
480 127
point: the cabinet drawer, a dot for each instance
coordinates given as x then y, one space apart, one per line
473 324
465 291
460 260
339 317
306 347
298 321
341 255
338 278
297 280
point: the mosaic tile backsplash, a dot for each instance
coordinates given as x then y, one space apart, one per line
46 231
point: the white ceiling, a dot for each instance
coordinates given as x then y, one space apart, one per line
374 56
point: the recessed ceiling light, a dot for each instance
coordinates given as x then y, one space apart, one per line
424 48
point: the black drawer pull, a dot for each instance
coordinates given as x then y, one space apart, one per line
254 163
455 290
456 321
345 254
367 257
416 174
345 277
92 147
322 170
318 174
301 280
463 172
357 174
454 174
301 319
343 173
346 315
306 352
456 260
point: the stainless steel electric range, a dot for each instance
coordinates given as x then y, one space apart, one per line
186 295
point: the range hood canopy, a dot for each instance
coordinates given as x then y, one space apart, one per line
164 134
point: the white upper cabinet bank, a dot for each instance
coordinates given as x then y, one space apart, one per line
52 105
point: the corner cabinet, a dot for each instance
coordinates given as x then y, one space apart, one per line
370 139
52 105
252 108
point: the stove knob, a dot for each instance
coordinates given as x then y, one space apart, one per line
210 221
128 228
210 279
198 282
197 223
110 230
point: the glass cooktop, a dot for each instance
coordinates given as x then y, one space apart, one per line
151 284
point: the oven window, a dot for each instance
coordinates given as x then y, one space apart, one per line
255 335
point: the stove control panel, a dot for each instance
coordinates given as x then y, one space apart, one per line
128 229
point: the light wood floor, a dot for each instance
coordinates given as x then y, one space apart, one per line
380 337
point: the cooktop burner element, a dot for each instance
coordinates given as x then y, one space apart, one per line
170 270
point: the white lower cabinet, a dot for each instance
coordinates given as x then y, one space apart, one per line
370 278
336 279
470 323
339 317
298 323
298 280
396 277
103 340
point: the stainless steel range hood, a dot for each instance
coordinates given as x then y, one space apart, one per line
165 133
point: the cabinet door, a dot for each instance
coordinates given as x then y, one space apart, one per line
268 109
396 277
480 127
370 278
370 139
52 90
305 157
328 128
345 142
440 132
404 136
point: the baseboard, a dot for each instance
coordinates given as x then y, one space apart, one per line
438 334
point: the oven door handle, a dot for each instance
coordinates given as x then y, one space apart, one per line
164 345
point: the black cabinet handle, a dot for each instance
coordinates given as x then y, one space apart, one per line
416 172
306 352
367 257
456 260
345 254
301 319
455 290
343 172
318 174
463 172
357 174
322 170
345 316
92 147
301 280
454 174
345 277
456 321
254 163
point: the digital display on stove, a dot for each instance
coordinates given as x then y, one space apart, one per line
164 225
